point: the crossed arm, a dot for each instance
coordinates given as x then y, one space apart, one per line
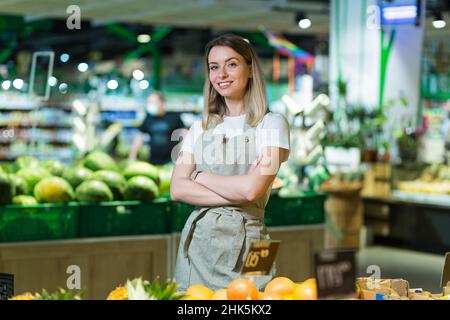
215 190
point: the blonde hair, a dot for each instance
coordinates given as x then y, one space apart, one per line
255 99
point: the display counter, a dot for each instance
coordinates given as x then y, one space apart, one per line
417 221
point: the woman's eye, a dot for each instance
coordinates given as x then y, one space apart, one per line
233 64
213 68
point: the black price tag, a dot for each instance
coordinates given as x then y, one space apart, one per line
6 286
335 273
445 277
260 258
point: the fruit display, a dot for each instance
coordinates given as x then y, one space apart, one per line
60 294
96 178
433 179
279 288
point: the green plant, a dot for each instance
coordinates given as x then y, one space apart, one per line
60 294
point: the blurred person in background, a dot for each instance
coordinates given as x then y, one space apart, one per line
159 124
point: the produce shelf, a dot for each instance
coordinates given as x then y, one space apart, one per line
120 218
307 208
38 222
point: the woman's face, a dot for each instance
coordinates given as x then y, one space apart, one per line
229 73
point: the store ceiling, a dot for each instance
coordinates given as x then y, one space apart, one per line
276 15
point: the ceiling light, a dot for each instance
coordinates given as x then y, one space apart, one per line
52 81
305 23
143 84
18 84
83 67
6 85
112 84
64 57
399 12
63 88
439 21
144 38
138 74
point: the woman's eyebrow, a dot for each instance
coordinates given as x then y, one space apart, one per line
213 62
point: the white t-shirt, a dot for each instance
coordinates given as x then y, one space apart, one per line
272 131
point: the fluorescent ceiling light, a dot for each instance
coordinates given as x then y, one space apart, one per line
400 12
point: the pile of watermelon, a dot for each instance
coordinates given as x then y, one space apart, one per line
96 178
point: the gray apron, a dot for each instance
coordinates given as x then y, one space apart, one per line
215 240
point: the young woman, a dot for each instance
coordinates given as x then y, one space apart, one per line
226 167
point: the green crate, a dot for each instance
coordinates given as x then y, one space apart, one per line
47 221
302 209
180 213
121 218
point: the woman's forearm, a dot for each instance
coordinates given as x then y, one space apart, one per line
185 190
233 188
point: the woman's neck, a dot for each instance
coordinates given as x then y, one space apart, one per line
234 107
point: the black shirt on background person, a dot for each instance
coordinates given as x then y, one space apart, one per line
160 129
159 125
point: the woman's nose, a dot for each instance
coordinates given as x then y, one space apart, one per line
223 73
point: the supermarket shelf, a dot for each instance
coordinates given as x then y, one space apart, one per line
439 97
59 157
30 108
57 142
41 126
416 198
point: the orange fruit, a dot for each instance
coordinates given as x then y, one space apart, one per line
288 297
120 293
271 296
242 289
281 285
306 291
220 295
199 292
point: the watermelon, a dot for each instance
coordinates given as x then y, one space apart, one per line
7 188
123 165
33 175
141 188
113 180
20 183
24 162
164 181
99 160
24 200
55 167
93 191
53 189
141 168
76 175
